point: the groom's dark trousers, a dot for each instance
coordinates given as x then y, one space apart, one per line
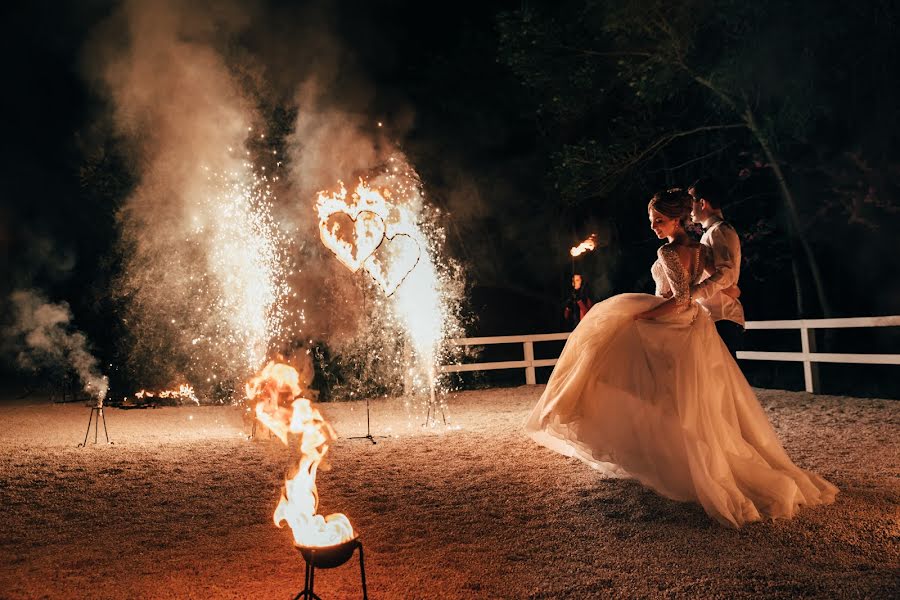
732 334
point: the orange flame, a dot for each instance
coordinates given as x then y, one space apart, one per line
367 231
184 392
352 229
586 246
278 384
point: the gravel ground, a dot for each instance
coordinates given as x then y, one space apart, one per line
180 507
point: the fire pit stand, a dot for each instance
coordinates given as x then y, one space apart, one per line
433 406
329 557
97 408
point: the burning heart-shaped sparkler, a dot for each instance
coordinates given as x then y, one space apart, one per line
393 261
353 241
356 229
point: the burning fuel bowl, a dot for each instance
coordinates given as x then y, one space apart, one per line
329 557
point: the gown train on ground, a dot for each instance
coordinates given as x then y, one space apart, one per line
664 402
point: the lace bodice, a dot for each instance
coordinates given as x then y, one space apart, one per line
670 276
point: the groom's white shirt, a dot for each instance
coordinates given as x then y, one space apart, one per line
725 246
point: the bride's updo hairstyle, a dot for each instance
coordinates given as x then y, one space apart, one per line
674 203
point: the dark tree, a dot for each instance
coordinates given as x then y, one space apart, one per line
638 88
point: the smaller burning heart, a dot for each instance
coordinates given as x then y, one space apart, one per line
394 260
352 240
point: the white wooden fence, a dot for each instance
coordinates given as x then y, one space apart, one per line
527 341
807 355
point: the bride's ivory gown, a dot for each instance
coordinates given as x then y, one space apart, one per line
664 402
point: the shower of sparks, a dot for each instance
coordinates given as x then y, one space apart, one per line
207 283
246 261
419 302
419 296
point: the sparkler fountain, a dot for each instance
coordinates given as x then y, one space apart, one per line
245 261
207 280
379 228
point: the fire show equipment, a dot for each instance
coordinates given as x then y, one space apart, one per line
324 542
376 230
98 409
329 557
368 435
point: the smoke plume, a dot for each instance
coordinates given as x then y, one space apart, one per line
203 255
223 266
46 340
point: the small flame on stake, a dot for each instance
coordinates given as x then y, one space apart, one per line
277 384
586 246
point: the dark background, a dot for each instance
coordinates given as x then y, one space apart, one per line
535 124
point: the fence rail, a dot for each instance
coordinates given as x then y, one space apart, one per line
807 355
527 341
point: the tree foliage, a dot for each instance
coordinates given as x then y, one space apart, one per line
642 94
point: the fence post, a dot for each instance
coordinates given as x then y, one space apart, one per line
810 369
530 378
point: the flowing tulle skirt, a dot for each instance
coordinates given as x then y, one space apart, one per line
664 402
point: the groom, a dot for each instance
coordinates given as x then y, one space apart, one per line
725 309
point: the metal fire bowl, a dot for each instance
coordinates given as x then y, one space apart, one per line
328 557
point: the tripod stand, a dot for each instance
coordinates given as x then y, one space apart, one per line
433 406
368 435
97 408
329 558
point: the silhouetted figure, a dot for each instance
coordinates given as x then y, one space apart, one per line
578 303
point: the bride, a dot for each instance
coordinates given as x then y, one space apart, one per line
645 388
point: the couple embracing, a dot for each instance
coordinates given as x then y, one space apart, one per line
646 387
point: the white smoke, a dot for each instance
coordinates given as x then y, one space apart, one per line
47 339
202 257
218 272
